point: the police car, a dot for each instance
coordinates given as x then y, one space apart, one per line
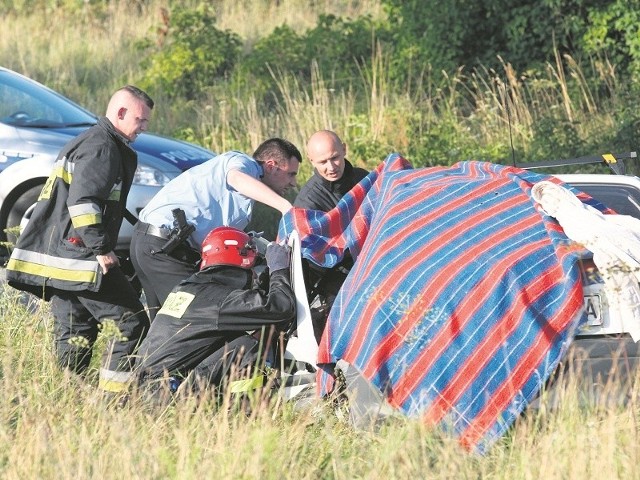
36 122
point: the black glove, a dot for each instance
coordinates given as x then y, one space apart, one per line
278 256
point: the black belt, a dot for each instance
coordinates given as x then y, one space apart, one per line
149 229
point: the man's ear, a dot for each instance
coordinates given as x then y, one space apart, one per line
121 113
270 164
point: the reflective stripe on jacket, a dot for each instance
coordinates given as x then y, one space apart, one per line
77 216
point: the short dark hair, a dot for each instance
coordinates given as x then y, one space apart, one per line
277 149
140 95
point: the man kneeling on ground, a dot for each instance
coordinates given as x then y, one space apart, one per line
209 327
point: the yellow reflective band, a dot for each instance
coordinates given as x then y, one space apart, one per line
86 276
87 219
45 194
114 381
82 208
239 386
84 214
112 385
63 173
609 158
176 304
61 169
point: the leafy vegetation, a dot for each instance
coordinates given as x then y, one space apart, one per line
57 425
190 54
437 81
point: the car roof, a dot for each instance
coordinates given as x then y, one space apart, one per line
599 178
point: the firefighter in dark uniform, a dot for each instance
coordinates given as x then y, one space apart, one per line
211 324
66 252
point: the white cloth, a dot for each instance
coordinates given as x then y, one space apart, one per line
301 347
614 241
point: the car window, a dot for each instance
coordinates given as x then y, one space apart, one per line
18 107
25 104
623 199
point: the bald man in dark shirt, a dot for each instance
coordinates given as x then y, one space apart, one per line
333 176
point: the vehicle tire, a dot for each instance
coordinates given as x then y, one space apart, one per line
21 211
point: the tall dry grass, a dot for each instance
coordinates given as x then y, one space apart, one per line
265 16
87 55
56 425
436 119
506 98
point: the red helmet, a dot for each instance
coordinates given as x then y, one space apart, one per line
228 246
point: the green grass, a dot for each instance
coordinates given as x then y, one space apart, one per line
57 425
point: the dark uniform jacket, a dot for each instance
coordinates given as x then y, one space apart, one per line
78 215
207 310
321 194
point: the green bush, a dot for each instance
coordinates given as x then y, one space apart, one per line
440 143
194 55
279 52
614 32
556 138
337 46
627 132
448 35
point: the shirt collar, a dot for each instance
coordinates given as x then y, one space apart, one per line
106 123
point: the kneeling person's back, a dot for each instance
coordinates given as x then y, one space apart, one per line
204 327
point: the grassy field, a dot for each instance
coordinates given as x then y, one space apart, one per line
570 108
87 56
55 425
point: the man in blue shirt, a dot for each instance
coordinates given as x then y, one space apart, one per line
219 192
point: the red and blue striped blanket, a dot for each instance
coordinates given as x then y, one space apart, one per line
463 297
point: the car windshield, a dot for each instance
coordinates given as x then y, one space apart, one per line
27 104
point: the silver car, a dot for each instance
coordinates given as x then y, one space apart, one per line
36 122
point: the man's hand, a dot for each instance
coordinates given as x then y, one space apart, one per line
108 261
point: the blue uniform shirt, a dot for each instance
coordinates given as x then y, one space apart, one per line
205 196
